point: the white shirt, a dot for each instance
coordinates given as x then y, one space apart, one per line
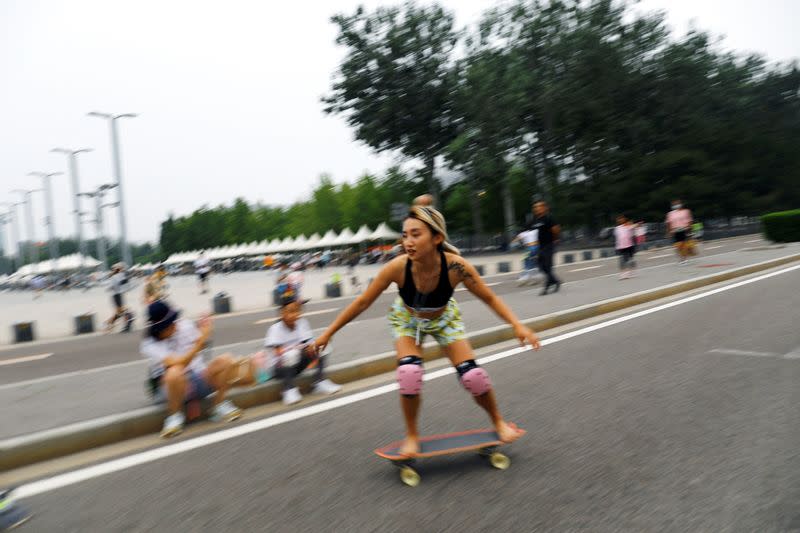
201 265
183 340
118 283
280 336
529 237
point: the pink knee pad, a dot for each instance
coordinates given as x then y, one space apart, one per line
476 381
409 377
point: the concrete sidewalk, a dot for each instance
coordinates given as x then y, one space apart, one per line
53 402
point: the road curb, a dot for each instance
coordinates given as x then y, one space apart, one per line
49 444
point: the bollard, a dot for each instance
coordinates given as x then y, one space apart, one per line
221 303
481 270
84 324
23 332
503 267
333 290
569 258
587 255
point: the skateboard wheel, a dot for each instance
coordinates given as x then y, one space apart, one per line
409 476
499 461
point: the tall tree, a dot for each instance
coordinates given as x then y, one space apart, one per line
394 86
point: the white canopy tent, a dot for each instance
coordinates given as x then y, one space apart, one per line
384 233
313 242
327 240
361 235
344 238
299 243
66 263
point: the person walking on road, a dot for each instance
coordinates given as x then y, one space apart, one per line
679 223
118 285
640 232
172 348
548 232
202 268
530 241
427 275
624 242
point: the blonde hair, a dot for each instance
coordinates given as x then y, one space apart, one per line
435 221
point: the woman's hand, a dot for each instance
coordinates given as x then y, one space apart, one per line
525 334
322 341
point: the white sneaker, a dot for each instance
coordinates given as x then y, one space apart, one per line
291 396
326 386
225 411
173 425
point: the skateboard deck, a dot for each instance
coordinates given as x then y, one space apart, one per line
484 441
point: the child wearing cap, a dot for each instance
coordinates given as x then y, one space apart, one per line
290 342
172 348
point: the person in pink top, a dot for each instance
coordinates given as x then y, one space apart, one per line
679 222
626 246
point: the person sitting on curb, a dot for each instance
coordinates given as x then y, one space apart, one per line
290 342
172 348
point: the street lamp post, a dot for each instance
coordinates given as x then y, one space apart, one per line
14 221
76 200
98 221
33 252
117 167
49 218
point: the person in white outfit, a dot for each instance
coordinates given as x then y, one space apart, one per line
202 268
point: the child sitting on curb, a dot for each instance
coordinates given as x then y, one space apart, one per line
290 342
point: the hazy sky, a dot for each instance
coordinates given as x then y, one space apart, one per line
227 94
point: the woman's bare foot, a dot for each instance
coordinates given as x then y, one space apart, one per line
410 447
508 431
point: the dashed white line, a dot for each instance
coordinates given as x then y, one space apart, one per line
660 256
309 313
754 240
24 359
84 474
585 268
727 351
713 247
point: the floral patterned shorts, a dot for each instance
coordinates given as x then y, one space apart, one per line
445 329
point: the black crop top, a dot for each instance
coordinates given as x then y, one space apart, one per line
433 301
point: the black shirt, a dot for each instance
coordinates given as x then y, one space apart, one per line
545 226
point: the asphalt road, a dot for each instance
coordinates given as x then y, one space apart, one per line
19 363
684 419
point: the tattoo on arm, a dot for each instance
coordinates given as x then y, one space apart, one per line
459 267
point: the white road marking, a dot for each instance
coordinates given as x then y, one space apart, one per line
727 351
460 289
660 256
794 354
754 240
24 359
712 247
585 268
309 313
86 473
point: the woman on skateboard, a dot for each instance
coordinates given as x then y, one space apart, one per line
427 275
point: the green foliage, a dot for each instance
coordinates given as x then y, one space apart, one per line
331 206
783 226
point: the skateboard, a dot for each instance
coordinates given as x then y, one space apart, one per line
483 441
12 514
